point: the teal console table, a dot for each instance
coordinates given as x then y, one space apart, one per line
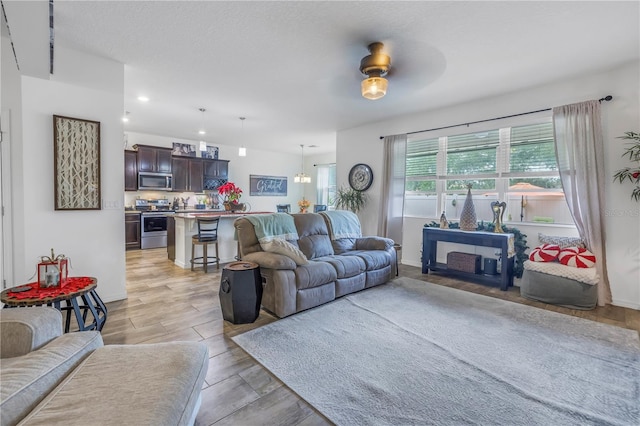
431 236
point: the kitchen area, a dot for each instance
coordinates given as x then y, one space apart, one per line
165 193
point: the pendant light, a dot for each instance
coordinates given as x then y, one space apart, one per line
242 151
202 131
302 177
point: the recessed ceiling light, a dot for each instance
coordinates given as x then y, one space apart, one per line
143 99
202 132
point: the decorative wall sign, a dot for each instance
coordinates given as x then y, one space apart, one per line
76 163
261 185
184 149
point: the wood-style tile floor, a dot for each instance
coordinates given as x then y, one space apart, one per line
167 303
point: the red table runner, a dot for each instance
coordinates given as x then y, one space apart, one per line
72 285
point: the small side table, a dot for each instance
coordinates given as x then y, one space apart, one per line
83 288
241 292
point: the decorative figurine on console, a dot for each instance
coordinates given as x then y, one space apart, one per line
444 224
53 270
498 213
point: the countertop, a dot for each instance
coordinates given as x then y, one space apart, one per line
213 213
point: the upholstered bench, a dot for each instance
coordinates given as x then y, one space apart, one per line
561 285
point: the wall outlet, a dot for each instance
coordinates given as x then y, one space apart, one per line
112 205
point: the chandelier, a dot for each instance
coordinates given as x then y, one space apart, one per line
302 177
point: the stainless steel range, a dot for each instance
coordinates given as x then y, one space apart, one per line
154 222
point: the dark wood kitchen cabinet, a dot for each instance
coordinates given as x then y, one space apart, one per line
187 174
154 159
132 231
130 171
216 168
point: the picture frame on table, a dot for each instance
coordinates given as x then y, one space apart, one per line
76 164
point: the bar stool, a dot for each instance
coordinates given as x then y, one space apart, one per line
207 234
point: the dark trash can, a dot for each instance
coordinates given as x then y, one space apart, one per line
490 266
240 292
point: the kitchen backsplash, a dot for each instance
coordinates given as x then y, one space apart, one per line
190 197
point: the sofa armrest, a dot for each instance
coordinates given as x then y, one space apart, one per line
23 330
374 243
270 260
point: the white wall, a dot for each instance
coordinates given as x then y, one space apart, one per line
94 240
257 162
11 189
362 145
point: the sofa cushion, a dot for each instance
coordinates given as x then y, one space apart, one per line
345 266
285 248
156 384
27 329
373 259
27 379
314 236
270 260
314 274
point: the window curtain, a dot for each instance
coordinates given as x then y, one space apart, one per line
393 179
580 154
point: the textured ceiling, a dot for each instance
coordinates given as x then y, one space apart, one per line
291 68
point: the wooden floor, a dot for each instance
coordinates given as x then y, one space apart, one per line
167 303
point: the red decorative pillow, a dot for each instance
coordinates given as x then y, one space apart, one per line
545 253
577 257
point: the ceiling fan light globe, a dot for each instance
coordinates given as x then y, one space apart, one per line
374 88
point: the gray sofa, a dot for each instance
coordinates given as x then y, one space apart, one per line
337 266
72 379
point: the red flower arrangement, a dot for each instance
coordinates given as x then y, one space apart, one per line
231 192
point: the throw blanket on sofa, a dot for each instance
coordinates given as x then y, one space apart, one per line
343 224
273 225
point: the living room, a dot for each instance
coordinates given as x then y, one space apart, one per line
89 86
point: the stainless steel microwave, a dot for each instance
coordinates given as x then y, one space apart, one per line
155 181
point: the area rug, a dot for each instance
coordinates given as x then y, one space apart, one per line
411 352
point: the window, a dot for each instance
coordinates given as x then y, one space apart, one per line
326 183
513 164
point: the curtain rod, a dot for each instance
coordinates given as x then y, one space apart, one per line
606 98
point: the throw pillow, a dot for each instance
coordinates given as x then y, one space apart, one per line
545 253
563 242
577 257
285 248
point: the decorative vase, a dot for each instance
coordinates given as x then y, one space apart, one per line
234 207
468 219
498 212
303 209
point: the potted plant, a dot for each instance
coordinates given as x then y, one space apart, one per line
231 193
350 199
631 173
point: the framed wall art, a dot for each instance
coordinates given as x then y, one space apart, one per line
184 149
261 185
211 152
76 163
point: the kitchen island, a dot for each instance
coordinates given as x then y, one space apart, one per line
185 227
